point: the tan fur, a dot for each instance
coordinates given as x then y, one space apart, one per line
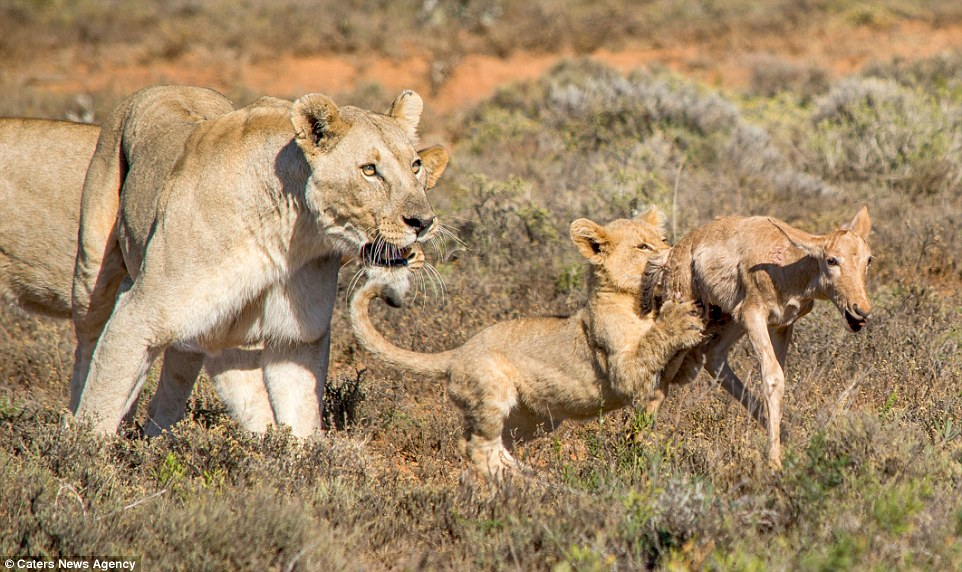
516 376
758 276
211 231
42 166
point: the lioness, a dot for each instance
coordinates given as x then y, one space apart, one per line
42 166
219 232
515 376
759 276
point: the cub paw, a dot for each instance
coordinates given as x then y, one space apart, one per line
682 322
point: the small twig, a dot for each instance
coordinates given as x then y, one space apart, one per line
301 553
145 499
845 398
56 501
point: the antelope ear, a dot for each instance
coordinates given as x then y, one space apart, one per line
861 224
317 123
591 239
810 244
434 160
406 110
653 216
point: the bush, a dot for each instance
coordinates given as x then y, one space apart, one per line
877 130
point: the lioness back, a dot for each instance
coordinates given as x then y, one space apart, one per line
42 167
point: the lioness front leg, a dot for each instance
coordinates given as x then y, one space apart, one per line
130 342
99 268
239 381
295 375
177 378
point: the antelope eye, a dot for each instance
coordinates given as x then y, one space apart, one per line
416 166
831 261
369 169
870 259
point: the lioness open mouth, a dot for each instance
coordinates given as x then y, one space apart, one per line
855 323
384 254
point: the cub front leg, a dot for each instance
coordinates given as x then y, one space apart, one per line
677 328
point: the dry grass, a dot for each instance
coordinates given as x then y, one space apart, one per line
873 467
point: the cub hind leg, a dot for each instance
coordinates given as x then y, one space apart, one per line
486 397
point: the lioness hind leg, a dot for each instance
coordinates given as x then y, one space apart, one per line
177 378
239 382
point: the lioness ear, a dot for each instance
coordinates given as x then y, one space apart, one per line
317 123
810 244
590 238
407 109
435 161
861 224
653 216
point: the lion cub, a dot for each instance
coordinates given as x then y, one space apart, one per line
515 376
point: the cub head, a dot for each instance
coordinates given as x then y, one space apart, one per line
367 182
620 250
843 257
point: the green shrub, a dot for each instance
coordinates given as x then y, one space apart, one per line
877 130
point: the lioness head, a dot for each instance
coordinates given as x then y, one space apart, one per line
619 250
367 183
843 257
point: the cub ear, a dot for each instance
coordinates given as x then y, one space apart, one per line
861 224
653 216
590 238
317 123
406 110
435 161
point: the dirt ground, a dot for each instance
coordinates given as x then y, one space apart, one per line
723 61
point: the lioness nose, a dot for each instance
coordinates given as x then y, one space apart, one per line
419 224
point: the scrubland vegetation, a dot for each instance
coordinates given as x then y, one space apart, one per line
873 468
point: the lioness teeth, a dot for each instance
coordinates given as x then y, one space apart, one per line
385 254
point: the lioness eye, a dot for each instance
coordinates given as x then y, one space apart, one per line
870 259
643 247
369 169
416 166
831 261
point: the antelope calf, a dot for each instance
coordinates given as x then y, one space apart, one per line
758 276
